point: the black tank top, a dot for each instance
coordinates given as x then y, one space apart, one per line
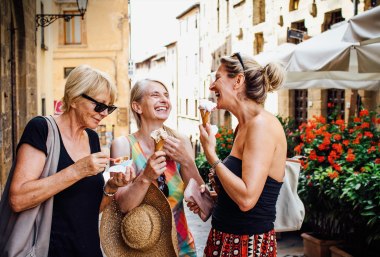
228 218
74 228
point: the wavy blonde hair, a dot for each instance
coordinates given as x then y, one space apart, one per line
87 80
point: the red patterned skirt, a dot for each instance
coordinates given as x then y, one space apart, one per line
221 244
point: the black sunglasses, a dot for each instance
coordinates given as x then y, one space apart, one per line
161 181
239 58
100 107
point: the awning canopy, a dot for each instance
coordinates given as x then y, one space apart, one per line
344 57
336 59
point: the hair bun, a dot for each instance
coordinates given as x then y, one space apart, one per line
275 75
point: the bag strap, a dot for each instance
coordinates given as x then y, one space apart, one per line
53 150
21 231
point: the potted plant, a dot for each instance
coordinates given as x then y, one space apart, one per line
292 134
340 179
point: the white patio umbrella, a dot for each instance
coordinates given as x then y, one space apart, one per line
364 27
326 61
279 54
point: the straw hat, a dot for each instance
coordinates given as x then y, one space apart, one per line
147 230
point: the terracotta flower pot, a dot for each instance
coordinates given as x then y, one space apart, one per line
314 247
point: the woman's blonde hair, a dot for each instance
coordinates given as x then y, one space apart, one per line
258 80
137 93
87 80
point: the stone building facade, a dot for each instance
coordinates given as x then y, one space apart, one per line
35 61
256 26
18 76
100 40
210 29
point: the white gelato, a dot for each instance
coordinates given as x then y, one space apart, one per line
120 167
159 134
207 105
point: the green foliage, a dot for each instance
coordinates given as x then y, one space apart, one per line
224 141
340 179
292 134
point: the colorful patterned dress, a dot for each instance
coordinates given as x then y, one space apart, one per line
176 187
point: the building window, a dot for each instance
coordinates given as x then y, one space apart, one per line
258 45
227 122
73 29
332 18
335 103
293 5
43 106
66 71
297 32
196 108
369 4
187 107
218 16
258 11
300 106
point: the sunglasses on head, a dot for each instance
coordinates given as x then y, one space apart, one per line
161 181
100 107
239 58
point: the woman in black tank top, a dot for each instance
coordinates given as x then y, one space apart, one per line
248 181
76 190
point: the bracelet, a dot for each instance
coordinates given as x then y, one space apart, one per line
108 194
214 164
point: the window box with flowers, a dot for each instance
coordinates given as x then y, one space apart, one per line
340 179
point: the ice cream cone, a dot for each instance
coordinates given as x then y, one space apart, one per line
159 136
205 117
159 145
206 107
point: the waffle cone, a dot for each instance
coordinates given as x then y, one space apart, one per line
205 117
159 145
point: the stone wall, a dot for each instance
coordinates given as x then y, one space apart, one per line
18 76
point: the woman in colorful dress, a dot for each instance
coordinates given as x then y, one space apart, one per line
250 178
169 169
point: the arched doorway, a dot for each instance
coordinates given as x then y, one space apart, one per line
227 120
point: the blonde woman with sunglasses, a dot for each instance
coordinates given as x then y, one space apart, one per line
77 188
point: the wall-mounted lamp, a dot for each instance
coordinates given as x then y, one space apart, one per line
45 20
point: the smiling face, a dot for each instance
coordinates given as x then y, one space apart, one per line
223 86
85 113
155 103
